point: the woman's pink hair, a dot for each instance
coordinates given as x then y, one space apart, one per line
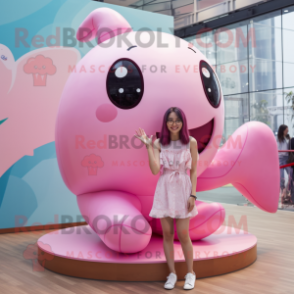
165 133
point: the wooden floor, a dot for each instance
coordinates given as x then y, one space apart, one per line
271 273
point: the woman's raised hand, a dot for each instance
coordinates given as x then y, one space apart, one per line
143 137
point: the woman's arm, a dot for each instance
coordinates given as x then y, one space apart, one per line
154 158
153 154
193 171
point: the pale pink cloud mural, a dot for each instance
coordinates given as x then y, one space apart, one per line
28 111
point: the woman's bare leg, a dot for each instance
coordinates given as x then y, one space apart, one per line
184 237
167 225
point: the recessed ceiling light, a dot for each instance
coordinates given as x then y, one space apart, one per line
285 10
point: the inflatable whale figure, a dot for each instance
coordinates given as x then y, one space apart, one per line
128 80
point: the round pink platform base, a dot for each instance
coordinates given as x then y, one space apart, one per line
78 251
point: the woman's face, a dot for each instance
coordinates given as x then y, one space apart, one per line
174 124
286 132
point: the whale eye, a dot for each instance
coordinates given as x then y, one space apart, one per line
125 84
210 84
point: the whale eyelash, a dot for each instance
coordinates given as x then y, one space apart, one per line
131 47
137 46
191 49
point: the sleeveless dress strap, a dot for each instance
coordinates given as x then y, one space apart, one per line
189 143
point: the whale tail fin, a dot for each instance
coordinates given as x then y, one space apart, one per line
249 161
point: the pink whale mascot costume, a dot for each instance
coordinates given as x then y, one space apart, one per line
128 81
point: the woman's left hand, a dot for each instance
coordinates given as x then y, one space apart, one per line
191 203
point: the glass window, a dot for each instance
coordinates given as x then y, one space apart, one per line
287 18
288 45
265 42
269 19
267 107
288 74
288 112
264 74
233 77
231 43
254 61
236 113
211 48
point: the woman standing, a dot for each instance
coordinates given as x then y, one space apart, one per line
291 186
283 144
175 195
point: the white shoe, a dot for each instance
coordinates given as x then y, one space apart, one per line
189 281
171 281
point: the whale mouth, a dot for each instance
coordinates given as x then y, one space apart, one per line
202 135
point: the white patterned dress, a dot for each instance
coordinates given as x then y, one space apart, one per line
174 186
